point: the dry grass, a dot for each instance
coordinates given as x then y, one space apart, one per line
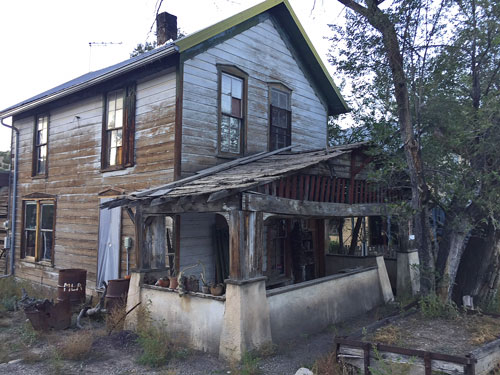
483 329
389 335
115 319
77 346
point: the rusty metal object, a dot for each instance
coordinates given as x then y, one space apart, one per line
44 316
117 293
71 285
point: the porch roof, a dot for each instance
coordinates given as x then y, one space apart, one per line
235 176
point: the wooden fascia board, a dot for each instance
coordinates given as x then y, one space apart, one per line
284 206
290 22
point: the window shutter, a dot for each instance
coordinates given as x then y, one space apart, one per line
130 127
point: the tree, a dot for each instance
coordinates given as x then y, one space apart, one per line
437 90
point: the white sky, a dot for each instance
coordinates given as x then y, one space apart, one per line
44 43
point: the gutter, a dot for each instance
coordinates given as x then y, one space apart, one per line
14 200
124 69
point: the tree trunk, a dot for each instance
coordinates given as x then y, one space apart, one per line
381 22
457 237
355 235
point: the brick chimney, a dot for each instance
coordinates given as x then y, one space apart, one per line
166 27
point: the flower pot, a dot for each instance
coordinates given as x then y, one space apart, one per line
205 289
163 282
217 290
173 282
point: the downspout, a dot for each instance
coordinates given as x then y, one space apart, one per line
14 200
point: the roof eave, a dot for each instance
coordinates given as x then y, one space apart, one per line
70 90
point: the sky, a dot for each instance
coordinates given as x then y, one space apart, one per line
44 43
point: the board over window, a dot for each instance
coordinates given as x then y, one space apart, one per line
232 110
280 118
40 145
37 243
118 130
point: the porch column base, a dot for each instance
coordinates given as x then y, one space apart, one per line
246 324
133 298
408 281
385 284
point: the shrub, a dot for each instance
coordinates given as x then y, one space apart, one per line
156 345
432 307
77 346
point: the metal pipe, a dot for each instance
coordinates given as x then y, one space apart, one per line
14 199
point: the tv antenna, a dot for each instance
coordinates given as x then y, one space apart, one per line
99 44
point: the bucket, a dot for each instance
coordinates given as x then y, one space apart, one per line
117 292
71 285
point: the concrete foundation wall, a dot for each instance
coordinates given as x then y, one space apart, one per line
336 263
194 321
313 305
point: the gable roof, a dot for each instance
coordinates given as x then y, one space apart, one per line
280 8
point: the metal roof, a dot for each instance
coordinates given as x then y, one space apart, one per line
284 13
236 176
90 79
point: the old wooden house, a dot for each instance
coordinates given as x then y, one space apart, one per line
209 151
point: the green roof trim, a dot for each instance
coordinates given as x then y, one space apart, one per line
290 23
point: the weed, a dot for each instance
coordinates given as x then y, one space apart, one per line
432 307
56 363
76 347
328 365
249 365
389 367
28 335
115 318
154 340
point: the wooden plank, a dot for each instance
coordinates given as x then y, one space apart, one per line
277 205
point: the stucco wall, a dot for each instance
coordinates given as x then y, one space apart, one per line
313 305
194 321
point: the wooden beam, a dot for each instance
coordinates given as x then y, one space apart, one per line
276 205
193 204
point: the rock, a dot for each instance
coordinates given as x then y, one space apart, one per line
14 361
304 371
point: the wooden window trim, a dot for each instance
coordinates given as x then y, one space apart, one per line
283 88
128 130
37 257
34 157
236 72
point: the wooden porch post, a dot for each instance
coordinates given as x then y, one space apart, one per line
246 324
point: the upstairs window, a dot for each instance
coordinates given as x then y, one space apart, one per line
232 111
40 149
38 230
280 127
119 129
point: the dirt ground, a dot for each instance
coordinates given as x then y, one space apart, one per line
455 336
24 351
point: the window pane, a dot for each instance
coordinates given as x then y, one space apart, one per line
226 84
236 107
119 118
29 240
30 216
111 119
234 145
224 134
46 245
237 88
47 216
226 104
41 159
114 144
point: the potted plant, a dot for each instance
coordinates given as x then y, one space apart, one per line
173 279
205 288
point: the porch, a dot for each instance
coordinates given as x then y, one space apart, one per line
257 224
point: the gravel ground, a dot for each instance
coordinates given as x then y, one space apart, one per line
117 354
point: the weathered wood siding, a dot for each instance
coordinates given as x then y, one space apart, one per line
196 244
264 56
74 175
